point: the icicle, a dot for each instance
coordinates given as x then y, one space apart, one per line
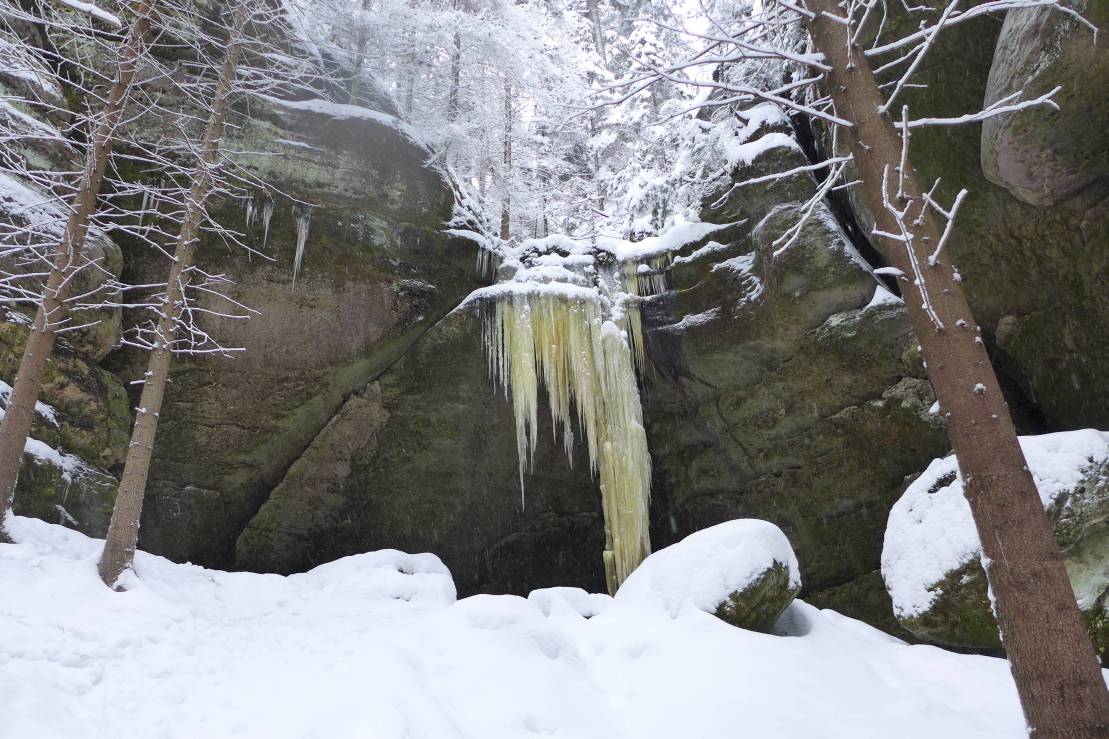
302 216
267 216
586 363
642 280
250 212
647 278
487 264
150 199
145 205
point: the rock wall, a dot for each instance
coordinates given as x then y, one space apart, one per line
80 432
776 377
437 472
789 389
1033 266
377 273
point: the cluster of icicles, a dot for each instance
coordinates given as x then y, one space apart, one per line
585 348
302 218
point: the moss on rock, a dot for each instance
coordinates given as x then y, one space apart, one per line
93 415
77 496
758 605
779 392
1033 273
425 460
960 614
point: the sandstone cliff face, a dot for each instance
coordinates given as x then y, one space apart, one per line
361 416
377 273
771 381
1033 266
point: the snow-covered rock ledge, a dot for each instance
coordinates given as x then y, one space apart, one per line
375 645
931 557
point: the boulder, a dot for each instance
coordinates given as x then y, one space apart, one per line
82 423
27 205
64 489
931 562
80 431
1032 273
83 408
1044 155
744 572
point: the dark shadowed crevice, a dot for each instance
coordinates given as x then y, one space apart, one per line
838 201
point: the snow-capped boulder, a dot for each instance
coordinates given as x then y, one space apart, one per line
931 559
743 571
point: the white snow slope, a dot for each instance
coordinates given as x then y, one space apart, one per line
375 646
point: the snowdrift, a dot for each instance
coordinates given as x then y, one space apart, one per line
376 645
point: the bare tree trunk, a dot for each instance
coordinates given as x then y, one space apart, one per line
506 171
410 84
598 32
359 58
1053 664
356 76
456 78
123 531
53 309
595 174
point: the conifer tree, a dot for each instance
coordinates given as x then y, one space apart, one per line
1053 664
123 530
829 78
67 258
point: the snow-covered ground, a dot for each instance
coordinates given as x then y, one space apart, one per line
376 646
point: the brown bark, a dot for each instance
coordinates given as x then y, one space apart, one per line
67 261
1053 663
123 530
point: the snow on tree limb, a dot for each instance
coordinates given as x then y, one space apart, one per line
94 10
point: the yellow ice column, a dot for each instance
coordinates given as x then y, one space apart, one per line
584 362
625 467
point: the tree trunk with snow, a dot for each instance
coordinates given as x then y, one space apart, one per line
598 31
360 41
1056 672
52 309
123 530
356 73
456 78
506 164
